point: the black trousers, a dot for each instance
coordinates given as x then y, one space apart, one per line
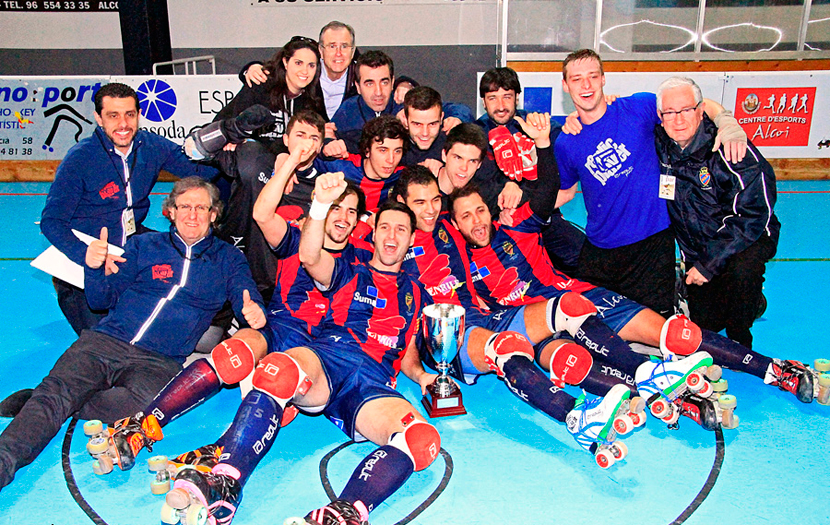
730 299
643 271
98 377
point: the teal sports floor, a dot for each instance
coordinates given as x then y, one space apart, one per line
503 462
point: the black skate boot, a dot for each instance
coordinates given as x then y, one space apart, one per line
794 377
338 512
700 409
121 443
202 497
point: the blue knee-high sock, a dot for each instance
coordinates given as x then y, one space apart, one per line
532 386
252 432
728 353
378 476
191 387
600 380
605 344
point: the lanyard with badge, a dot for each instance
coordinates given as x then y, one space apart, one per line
127 215
668 182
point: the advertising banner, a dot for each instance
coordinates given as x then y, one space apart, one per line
41 118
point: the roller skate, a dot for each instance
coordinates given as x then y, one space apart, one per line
338 512
592 424
121 443
165 470
796 378
676 387
200 498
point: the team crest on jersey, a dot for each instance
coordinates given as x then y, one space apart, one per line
372 297
408 299
442 234
608 160
478 273
507 246
704 176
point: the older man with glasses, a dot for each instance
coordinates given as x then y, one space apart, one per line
721 211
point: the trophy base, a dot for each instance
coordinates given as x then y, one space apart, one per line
437 406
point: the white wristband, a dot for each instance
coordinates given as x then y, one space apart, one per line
318 210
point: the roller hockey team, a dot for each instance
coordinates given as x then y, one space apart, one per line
330 201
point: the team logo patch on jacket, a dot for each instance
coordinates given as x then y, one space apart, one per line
704 176
162 272
109 191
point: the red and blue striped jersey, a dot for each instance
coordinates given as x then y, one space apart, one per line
376 191
373 312
439 262
296 301
515 268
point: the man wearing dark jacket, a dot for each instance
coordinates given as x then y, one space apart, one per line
161 296
105 181
721 211
337 81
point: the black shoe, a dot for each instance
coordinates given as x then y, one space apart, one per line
12 405
762 307
338 512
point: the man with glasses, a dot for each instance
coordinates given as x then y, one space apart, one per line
105 180
337 83
630 246
161 295
721 212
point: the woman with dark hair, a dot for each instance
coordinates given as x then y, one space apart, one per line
291 87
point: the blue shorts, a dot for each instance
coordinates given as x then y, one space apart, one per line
613 309
354 379
281 337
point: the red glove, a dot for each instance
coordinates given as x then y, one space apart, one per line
506 152
527 152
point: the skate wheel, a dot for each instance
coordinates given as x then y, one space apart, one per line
714 372
720 386
638 418
102 466
672 418
93 426
727 401
196 515
160 487
178 499
695 381
707 390
97 445
660 408
636 405
157 463
169 515
620 450
604 458
824 379
822 365
623 424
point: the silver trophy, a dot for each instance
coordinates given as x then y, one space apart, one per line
444 336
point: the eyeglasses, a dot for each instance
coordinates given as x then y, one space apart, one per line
671 115
303 39
187 208
333 47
